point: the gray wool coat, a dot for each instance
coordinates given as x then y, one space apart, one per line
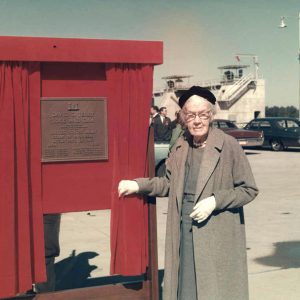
219 241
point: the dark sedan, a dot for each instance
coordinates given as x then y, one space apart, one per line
246 138
280 133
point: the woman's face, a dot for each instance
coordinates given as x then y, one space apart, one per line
198 116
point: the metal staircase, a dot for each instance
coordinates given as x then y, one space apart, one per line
236 91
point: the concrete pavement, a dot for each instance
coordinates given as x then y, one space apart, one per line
272 227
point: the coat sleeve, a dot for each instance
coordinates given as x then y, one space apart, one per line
157 186
244 187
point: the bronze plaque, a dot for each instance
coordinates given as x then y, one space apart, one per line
74 129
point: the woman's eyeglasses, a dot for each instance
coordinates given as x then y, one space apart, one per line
204 116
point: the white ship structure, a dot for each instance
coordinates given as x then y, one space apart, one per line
240 92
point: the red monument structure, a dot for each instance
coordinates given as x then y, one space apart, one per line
74 121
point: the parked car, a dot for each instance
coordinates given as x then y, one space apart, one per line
161 151
246 138
280 133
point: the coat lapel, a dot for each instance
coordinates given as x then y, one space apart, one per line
180 156
210 159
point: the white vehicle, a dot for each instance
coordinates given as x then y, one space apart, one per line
161 153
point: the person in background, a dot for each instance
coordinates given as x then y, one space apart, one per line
162 127
177 129
154 112
208 181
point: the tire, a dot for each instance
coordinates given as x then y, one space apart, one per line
276 145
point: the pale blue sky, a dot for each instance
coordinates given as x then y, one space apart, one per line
198 35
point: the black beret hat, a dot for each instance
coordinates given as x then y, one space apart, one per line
199 91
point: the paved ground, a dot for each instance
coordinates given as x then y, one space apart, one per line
272 224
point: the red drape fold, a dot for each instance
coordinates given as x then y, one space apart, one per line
131 93
21 227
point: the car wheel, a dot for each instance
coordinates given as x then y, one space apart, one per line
276 145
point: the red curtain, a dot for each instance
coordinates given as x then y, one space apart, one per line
21 226
131 93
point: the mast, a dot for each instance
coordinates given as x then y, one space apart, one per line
255 62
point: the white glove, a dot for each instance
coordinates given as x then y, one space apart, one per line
127 187
203 209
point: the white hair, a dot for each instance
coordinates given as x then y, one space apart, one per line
183 111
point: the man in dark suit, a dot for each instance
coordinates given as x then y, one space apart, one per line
154 112
162 127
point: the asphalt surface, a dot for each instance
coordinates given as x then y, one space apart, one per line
272 228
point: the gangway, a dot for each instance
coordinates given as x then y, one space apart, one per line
235 91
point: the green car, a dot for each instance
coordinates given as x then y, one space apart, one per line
279 132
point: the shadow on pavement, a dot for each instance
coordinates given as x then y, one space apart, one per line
251 153
268 149
286 255
74 271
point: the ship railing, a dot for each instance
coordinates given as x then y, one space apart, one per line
213 84
210 83
183 85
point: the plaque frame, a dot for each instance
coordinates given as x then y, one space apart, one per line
91 109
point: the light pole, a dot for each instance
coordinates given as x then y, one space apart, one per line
283 25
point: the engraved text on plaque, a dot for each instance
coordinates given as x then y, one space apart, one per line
74 129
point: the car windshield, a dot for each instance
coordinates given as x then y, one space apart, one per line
265 124
224 124
253 125
227 125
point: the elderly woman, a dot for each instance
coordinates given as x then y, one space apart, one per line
208 180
